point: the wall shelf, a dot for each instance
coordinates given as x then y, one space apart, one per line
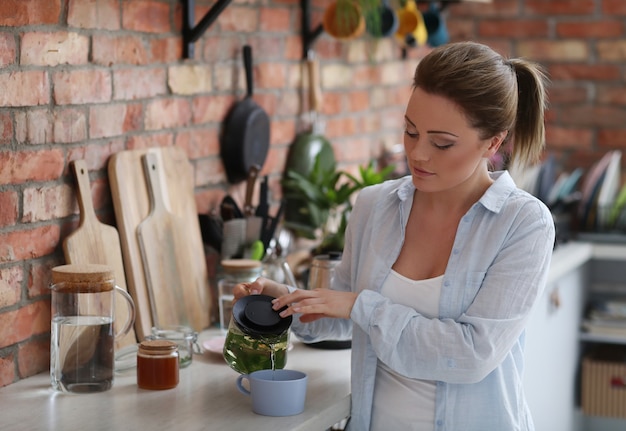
599 338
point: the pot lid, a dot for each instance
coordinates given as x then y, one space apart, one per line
255 316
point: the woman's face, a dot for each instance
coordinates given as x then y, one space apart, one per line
442 150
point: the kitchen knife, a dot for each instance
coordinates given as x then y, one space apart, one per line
269 231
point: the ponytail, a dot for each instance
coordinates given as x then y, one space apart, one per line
529 130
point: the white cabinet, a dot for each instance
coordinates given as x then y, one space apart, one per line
554 343
552 352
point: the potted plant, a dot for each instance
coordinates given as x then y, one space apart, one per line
327 201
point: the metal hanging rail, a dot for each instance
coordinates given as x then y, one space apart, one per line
308 35
192 32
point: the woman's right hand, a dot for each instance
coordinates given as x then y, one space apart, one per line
261 285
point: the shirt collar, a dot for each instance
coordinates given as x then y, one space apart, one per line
493 199
495 196
405 188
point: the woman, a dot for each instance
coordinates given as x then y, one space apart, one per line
441 268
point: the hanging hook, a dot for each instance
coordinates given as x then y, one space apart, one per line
308 36
192 32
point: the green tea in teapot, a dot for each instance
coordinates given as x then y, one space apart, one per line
257 337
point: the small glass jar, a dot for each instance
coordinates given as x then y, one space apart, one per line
157 364
234 271
184 336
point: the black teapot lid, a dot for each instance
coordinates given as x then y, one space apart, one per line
255 316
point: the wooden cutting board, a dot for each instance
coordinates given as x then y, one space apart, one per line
96 242
132 205
164 253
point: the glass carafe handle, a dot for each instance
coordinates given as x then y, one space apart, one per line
131 313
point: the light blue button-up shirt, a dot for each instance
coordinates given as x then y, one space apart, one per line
474 350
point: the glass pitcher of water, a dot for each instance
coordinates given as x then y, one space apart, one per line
82 335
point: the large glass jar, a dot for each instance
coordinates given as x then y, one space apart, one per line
257 337
82 335
233 272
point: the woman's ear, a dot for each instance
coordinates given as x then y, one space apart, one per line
495 142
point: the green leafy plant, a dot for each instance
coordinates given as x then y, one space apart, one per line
326 194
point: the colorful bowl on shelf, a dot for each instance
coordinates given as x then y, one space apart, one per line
382 21
411 29
344 20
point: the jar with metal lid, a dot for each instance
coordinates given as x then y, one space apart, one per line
233 272
321 276
258 338
322 270
157 364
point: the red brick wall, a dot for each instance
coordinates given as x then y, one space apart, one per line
84 79
582 44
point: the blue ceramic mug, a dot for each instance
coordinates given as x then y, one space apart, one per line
435 26
275 392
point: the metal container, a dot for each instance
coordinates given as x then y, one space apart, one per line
322 270
321 276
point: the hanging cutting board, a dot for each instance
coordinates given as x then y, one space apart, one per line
163 253
132 205
96 242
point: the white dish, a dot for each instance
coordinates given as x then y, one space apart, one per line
214 345
553 196
126 358
592 180
569 186
609 188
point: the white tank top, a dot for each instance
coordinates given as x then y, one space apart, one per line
401 403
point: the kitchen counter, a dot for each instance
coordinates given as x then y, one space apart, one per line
205 399
571 255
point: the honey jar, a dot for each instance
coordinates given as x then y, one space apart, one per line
157 364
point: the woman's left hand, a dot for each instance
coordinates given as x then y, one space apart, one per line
315 304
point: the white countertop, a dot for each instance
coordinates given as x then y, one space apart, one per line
571 255
205 399
567 257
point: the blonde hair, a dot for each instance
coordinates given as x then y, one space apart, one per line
496 94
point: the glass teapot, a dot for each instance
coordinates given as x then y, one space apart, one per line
257 337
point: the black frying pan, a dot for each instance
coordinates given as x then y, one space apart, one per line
245 137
